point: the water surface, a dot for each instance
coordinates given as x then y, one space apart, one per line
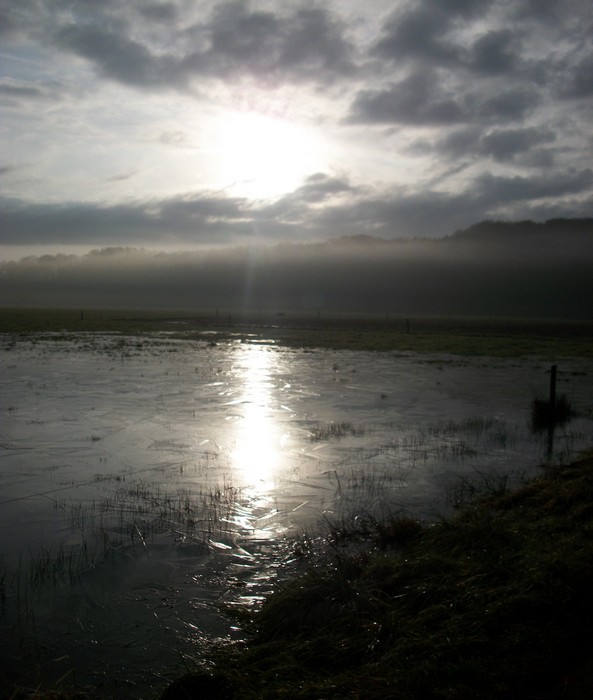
144 482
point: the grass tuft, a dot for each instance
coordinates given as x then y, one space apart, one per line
544 415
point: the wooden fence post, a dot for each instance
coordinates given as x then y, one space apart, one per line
553 370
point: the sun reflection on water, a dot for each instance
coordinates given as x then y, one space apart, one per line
259 441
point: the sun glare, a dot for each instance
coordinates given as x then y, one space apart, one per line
257 453
262 156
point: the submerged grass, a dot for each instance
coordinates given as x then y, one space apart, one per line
494 602
463 336
336 431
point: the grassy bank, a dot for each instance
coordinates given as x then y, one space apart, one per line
494 602
462 336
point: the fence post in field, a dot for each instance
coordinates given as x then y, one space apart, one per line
552 410
553 370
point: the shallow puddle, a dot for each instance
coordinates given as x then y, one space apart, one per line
146 482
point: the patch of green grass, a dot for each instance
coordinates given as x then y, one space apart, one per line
460 336
494 602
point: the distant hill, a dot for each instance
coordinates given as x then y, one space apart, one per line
513 230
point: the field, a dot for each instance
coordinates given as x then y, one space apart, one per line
464 336
163 474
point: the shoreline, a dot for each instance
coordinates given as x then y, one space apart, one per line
493 602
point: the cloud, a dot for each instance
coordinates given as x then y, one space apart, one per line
453 37
508 105
323 207
506 144
21 91
118 57
492 189
418 99
494 53
176 139
235 41
580 79
202 218
159 11
298 212
502 145
417 33
394 213
7 169
121 177
422 100
16 94
308 43
415 121
319 188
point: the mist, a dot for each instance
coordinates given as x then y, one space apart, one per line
493 268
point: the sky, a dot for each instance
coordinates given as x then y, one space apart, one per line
189 123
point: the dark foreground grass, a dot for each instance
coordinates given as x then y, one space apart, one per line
461 336
495 602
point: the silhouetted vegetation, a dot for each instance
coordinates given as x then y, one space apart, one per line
492 603
545 415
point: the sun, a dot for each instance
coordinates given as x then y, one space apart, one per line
260 156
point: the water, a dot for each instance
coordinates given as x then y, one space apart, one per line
145 482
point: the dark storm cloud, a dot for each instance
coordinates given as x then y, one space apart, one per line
421 100
422 31
15 94
15 19
452 35
580 80
162 11
196 218
417 33
505 144
394 214
417 100
508 105
119 57
498 74
493 189
306 43
495 53
21 91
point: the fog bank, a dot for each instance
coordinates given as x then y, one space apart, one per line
502 269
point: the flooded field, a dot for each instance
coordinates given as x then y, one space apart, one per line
146 483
